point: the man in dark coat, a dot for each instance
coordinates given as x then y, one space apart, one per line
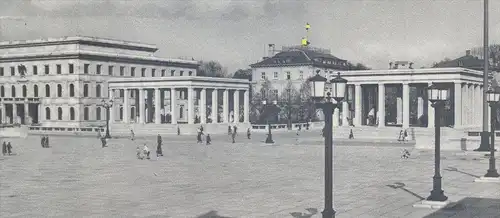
47 141
4 148
233 136
103 142
159 151
209 139
42 141
9 148
248 133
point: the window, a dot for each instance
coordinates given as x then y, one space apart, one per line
181 73
35 70
121 93
153 72
275 92
1 71
190 73
143 72
12 71
181 111
2 91
59 113
86 113
71 90
86 90
172 73
132 71
98 69
275 75
72 113
59 90
35 90
121 113
47 113
58 68
13 91
98 113
263 75
301 75
110 70
47 69
132 113
47 90
71 68
25 91
86 68
288 75
98 90
163 72
122 71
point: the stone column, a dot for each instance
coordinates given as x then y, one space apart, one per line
203 106
464 104
4 115
27 114
225 106
236 106
142 109
399 110
457 90
150 114
41 113
478 105
345 113
381 105
406 105
113 106
157 106
215 105
470 104
190 105
357 105
173 104
246 107
14 113
430 112
126 106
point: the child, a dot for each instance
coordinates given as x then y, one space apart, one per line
146 151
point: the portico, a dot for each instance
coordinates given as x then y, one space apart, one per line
396 97
179 100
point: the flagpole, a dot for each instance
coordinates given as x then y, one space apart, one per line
485 145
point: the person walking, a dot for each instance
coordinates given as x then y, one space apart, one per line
42 141
249 134
198 137
233 136
146 151
235 129
132 135
209 139
4 148
103 142
9 148
47 145
159 151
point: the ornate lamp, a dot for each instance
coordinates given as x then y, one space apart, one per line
437 93
492 96
339 85
317 86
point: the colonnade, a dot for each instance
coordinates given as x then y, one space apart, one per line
179 105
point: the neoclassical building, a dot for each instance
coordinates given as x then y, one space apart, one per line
61 83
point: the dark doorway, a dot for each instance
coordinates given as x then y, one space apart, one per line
33 113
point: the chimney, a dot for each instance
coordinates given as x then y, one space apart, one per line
467 52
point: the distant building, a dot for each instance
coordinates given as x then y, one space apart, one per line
294 64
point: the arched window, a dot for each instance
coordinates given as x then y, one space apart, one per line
98 113
71 90
86 90
86 113
98 91
2 91
35 90
72 113
47 90
59 113
47 113
13 91
59 90
25 91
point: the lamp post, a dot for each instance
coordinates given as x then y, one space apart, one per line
323 97
437 95
267 111
484 134
107 104
493 98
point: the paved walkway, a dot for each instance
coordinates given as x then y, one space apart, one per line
77 178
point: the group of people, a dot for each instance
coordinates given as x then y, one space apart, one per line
199 135
45 141
6 148
146 153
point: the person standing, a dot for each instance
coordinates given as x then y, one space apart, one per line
159 151
42 141
209 139
132 135
47 141
234 129
9 148
233 136
198 137
249 134
4 148
146 151
103 142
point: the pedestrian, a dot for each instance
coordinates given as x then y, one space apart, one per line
233 136
178 131
47 145
209 139
146 151
400 137
229 130
9 148
4 148
249 134
300 127
132 135
159 151
198 137
235 129
42 141
351 134
201 129
139 153
103 142
405 136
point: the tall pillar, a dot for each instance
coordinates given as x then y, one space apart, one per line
190 105
203 106
399 109
225 106
157 106
457 90
142 109
345 113
406 105
470 106
215 105
40 113
126 106
14 113
236 106
150 115
4 113
173 105
477 97
381 105
336 117
246 107
357 105
112 108
430 112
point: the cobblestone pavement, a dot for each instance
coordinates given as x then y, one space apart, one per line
78 178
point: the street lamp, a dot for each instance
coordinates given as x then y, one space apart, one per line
267 111
493 98
437 95
323 96
107 104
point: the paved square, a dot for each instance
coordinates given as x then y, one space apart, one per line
78 178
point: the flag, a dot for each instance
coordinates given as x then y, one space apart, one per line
308 26
22 70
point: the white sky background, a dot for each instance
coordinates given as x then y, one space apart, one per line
236 32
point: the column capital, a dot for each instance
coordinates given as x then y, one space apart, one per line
405 83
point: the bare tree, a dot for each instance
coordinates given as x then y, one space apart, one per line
212 69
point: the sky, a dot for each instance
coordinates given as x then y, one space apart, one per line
236 32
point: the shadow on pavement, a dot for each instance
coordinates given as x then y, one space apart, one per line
311 212
454 169
211 214
470 207
400 185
